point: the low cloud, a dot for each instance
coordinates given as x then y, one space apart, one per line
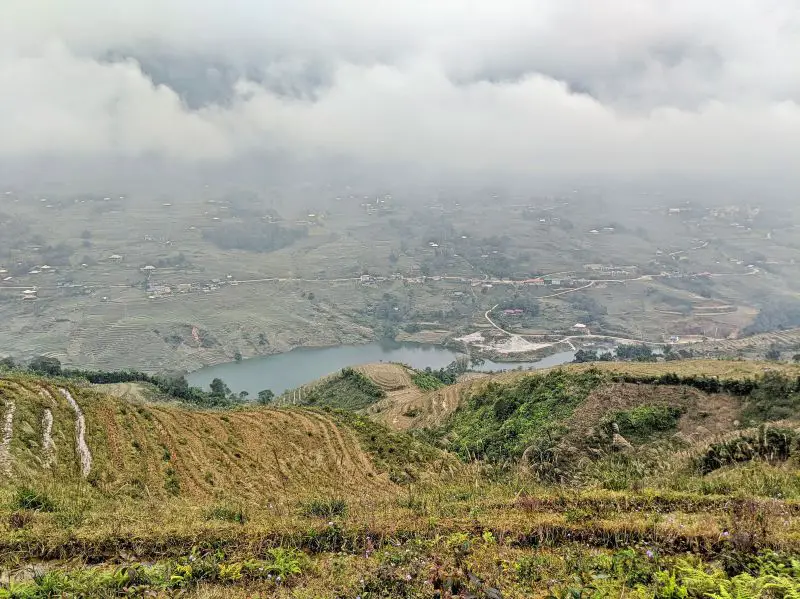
563 87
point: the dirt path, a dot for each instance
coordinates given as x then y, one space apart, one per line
5 446
48 446
80 434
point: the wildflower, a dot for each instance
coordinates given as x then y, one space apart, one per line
649 553
726 534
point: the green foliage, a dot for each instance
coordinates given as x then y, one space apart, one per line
350 390
45 365
286 562
774 398
27 498
171 578
252 235
585 355
426 381
219 388
172 385
399 453
617 472
775 315
773 444
325 508
171 482
642 422
635 353
505 420
265 397
226 513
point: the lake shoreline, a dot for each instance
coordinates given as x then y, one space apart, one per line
301 365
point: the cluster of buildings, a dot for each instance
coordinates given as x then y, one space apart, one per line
157 290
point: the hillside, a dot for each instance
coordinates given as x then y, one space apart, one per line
156 450
576 482
429 409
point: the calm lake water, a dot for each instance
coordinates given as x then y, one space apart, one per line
297 367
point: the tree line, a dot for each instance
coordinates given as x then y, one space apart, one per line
173 385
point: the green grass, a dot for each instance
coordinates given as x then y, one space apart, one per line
325 508
643 423
426 382
226 513
400 454
502 421
349 390
27 498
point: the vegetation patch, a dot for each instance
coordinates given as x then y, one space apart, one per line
398 453
503 421
279 568
427 381
771 444
325 508
226 513
349 390
27 498
642 423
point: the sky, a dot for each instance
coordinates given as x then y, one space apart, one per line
549 86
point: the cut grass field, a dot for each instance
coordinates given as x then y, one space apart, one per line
304 503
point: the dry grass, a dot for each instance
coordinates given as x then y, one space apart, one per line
157 450
159 470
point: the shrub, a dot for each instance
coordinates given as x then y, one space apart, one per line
286 562
426 381
771 444
642 422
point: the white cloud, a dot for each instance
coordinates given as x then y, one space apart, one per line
557 86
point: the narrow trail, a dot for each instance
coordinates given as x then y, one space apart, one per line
80 434
48 446
8 431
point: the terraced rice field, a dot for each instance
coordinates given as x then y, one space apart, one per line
139 449
787 338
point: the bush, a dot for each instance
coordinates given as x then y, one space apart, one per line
506 421
45 365
772 444
426 381
642 422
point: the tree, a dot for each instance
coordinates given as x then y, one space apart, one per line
795 358
237 355
773 354
45 365
265 397
243 395
585 355
219 388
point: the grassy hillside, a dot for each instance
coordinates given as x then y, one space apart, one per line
570 483
154 450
